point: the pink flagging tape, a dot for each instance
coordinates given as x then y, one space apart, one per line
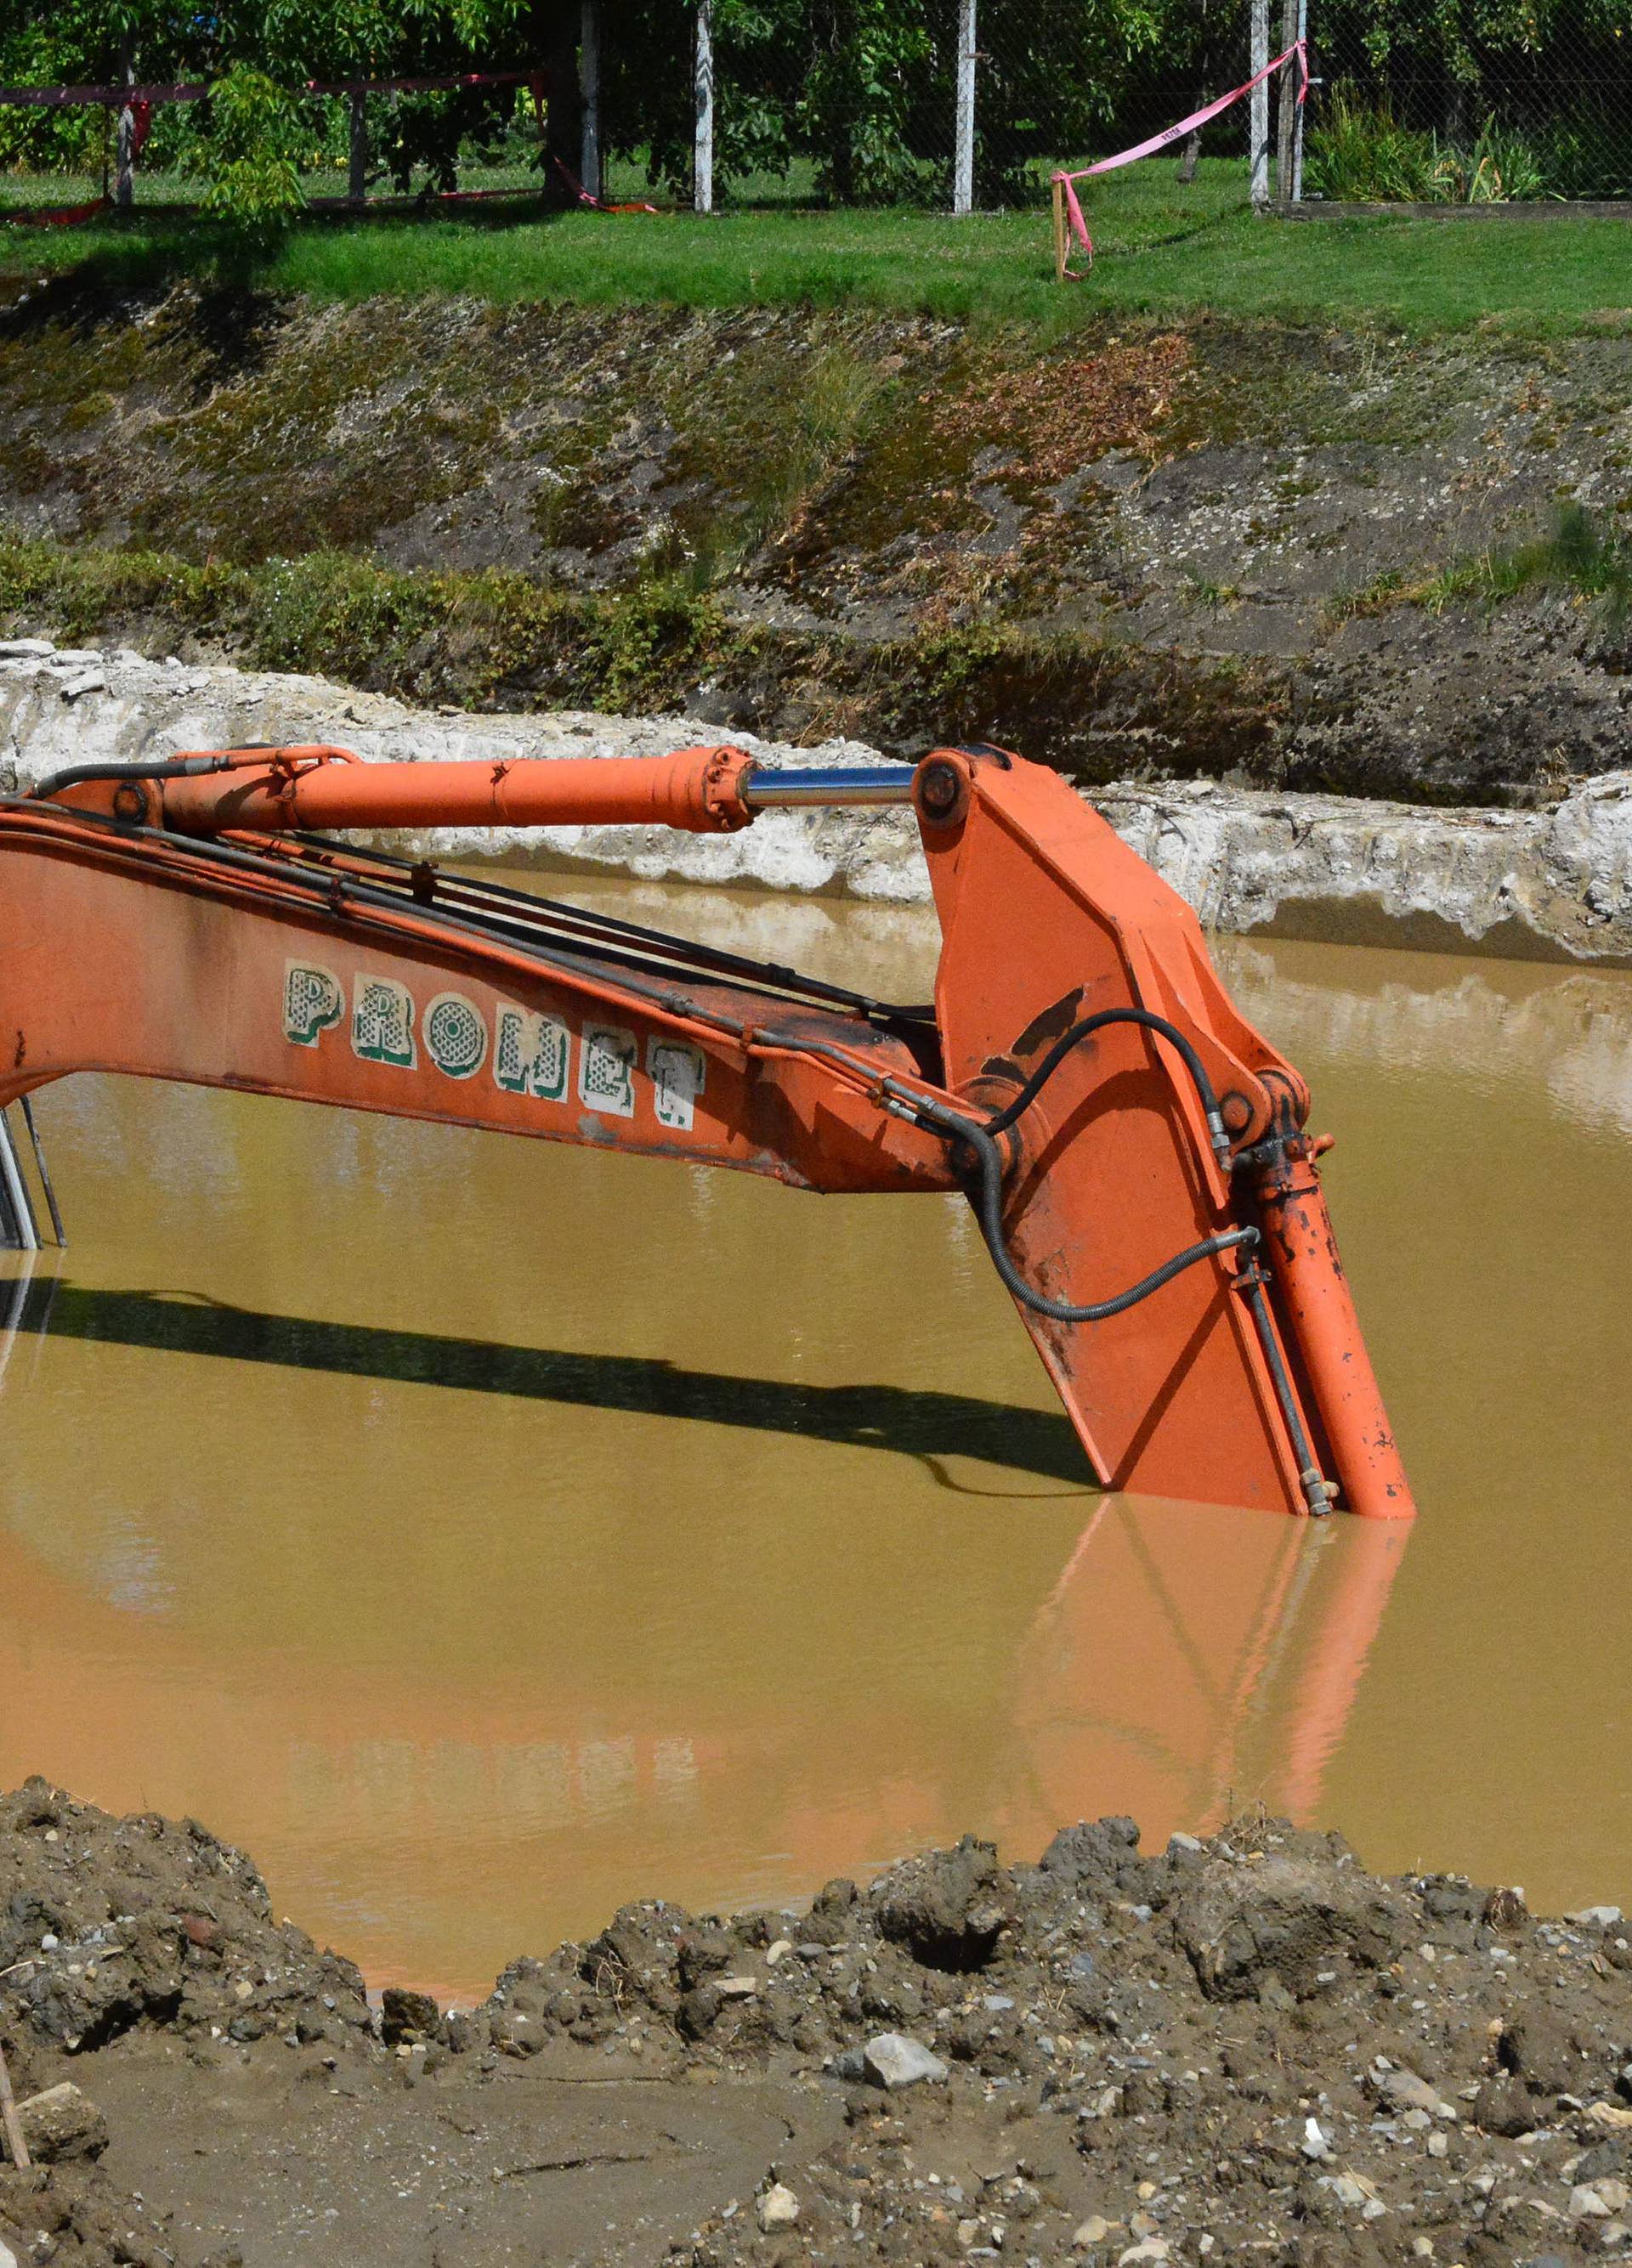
1165 140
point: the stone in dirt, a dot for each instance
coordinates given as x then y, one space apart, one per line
1403 2090
947 1909
894 2061
1502 2106
99 1934
1505 1910
1541 2048
61 2124
776 2207
1282 1917
405 2016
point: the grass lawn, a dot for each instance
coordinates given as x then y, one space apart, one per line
1161 249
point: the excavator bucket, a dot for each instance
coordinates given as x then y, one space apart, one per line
1243 1377
1134 1151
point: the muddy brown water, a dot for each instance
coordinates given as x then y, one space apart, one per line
484 1533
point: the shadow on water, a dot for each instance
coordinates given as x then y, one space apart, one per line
915 1423
1183 1657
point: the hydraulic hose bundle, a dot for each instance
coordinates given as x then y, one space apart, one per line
980 1138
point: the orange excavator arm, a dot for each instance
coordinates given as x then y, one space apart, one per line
1133 1150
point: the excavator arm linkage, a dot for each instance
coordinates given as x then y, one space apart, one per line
1134 1151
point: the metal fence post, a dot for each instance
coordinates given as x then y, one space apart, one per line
1298 125
1286 97
589 94
964 146
703 165
1257 176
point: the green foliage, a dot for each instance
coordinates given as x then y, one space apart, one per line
249 141
855 97
861 91
253 150
1577 558
1502 165
1551 79
307 611
1362 154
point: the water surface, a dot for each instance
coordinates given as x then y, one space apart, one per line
484 1533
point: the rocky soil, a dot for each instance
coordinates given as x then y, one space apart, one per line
1163 552
1555 882
1242 2050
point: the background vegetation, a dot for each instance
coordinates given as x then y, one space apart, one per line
845 101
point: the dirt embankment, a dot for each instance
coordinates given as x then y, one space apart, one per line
1247 2050
1148 552
1551 883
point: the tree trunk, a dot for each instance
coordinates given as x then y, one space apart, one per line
357 181
839 125
1191 156
589 95
564 123
124 179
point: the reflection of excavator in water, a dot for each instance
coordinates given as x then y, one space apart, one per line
1177 1665
1134 1152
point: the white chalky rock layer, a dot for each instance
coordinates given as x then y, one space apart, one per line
1555 883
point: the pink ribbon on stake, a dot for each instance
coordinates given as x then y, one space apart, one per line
1166 139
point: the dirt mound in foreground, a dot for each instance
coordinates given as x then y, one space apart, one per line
1243 2050
107 1924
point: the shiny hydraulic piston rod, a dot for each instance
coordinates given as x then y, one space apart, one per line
855 784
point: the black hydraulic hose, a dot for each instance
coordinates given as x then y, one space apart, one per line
989 1212
1151 1022
177 768
1098 1311
982 1141
1317 1492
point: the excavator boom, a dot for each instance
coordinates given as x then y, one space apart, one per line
1133 1150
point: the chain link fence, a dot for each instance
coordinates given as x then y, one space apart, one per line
960 105
1470 101
951 104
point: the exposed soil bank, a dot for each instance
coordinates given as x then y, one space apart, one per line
1165 551
1245 2050
1555 882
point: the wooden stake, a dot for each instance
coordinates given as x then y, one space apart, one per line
1059 230
14 2141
